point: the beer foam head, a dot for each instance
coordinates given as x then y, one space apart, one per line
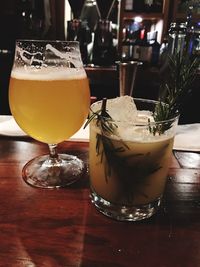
48 73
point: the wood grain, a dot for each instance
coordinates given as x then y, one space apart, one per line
62 228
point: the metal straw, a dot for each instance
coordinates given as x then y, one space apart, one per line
127 75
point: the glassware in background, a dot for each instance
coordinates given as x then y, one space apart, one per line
105 8
127 45
148 5
196 41
90 13
76 7
33 19
193 29
78 30
140 44
127 74
157 6
128 6
104 52
185 5
155 57
49 99
74 30
177 35
129 161
185 35
145 48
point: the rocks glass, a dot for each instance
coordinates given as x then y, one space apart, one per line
129 163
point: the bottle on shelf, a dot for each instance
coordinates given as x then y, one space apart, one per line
196 41
90 13
30 19
104 52
155 49
148 5
177 35
78 30
163 52
126 44
145 47
192 39
157 6
136 45
128 5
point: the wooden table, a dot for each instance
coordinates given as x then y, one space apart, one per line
40 228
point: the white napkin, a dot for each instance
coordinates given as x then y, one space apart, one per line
9 127
82 135
187 137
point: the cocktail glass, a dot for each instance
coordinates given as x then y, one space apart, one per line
49 98
129 162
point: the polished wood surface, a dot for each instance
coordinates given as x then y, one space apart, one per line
62 228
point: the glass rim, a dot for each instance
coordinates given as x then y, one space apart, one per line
45 41
147 123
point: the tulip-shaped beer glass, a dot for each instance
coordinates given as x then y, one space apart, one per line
49 99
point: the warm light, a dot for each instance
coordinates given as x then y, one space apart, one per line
67 14
142 34
138 19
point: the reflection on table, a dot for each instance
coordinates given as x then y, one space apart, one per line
62 228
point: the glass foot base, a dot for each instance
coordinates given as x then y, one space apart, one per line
44 172
125 213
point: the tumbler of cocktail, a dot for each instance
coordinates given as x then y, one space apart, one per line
129 157
49 98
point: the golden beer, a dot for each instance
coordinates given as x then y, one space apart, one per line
50 108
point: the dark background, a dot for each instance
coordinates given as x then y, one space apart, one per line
103 83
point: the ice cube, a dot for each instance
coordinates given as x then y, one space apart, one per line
120 108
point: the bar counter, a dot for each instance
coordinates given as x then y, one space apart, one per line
62 228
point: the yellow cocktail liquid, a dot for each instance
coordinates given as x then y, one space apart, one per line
135 176
52 110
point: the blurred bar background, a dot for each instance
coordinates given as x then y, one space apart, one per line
109 31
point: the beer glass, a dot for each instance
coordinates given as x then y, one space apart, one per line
49 99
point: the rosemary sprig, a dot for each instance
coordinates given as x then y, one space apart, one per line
175 88
103 119
178 83
107 127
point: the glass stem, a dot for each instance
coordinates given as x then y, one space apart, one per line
53 160
53 151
